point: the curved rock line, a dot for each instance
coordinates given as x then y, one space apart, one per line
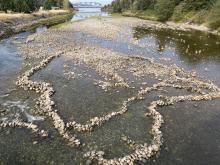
177 78
145 151
142 151
45 103
20 124
98 121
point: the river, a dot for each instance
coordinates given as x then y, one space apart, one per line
191 130
84 13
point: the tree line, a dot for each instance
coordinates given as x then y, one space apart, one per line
200 11
163 8
28 6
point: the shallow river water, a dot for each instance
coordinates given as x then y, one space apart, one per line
191 130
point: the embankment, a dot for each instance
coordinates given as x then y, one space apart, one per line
173 25
18 22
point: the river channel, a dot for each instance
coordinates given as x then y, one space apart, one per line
191 131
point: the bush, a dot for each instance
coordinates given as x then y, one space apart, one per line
178 13
164 9
201 16
141 4
214 16
48 4
4 6
198 4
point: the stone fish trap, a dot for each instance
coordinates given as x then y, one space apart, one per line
45 106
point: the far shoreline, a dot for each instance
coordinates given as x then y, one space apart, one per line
174 25
14 23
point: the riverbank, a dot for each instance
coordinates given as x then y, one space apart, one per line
18 22
186 25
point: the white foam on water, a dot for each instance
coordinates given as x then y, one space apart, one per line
32 118
5 95
17 104
22 106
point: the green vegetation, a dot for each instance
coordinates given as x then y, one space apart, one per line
195 11
28 6
214 17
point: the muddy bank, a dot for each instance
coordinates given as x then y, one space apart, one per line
15 23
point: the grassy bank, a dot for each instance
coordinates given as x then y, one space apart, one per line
18 22
197 12
147 14
181 25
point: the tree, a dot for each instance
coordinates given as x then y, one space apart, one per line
164 9
142 4
48 4
198 4
214 16
6 5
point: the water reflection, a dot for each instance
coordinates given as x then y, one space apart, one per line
84 13
41 29
192 50
193 47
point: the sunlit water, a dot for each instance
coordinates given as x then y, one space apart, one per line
84 13
191 130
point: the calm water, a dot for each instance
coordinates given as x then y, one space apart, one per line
84 13
191 131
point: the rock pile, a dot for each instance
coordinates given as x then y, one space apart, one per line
20 124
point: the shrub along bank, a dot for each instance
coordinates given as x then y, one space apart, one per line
205 12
